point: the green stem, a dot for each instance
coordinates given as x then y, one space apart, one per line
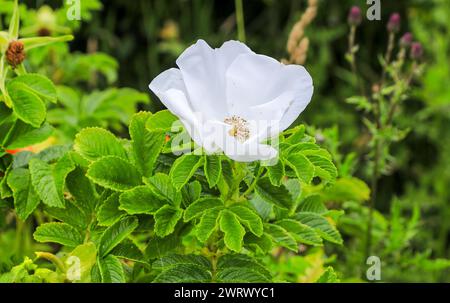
213 267
52 258
240 20
388 56
255 181
373 197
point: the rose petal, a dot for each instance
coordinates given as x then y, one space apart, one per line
203 70
253 80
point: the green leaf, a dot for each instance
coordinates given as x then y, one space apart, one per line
183 169
324 168
116 233
281 236
301 232
114 173
278 196
208 224
61 233
161 121
15 22
128 250
233 230
71 215
82 190
38 85
25 197
191 193
158 247
329 276
249 218
175 260
276 173
302 167
146 144
184 273
35 42
49 179
312 203
23 135
301 147
109 212
197 208
94 143
234 268
213 169
261 244
140 200
297 134
321 225
229 264
348 189
27 106
111 270
166 218
162 186
240 275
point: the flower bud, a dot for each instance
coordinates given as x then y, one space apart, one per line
15 54
406 40
416 51
354 16
394 23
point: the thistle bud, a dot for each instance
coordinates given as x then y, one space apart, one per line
354 16
15 54
394 23
416 51
406 40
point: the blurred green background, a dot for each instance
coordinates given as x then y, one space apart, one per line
146 37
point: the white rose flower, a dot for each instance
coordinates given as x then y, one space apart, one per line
231 100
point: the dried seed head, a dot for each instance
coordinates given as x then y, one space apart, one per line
15 54
301 52
354 16
406 40
416 51
296 46
394 23
240 129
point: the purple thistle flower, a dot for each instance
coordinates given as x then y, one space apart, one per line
394 23
406 40
354 16
416 51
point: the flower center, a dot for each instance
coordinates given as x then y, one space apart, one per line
240 129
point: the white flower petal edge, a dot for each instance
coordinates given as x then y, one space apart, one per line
231 99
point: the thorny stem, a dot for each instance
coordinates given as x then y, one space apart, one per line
376 160
387 57
240 20
373 196
351 54
396 100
